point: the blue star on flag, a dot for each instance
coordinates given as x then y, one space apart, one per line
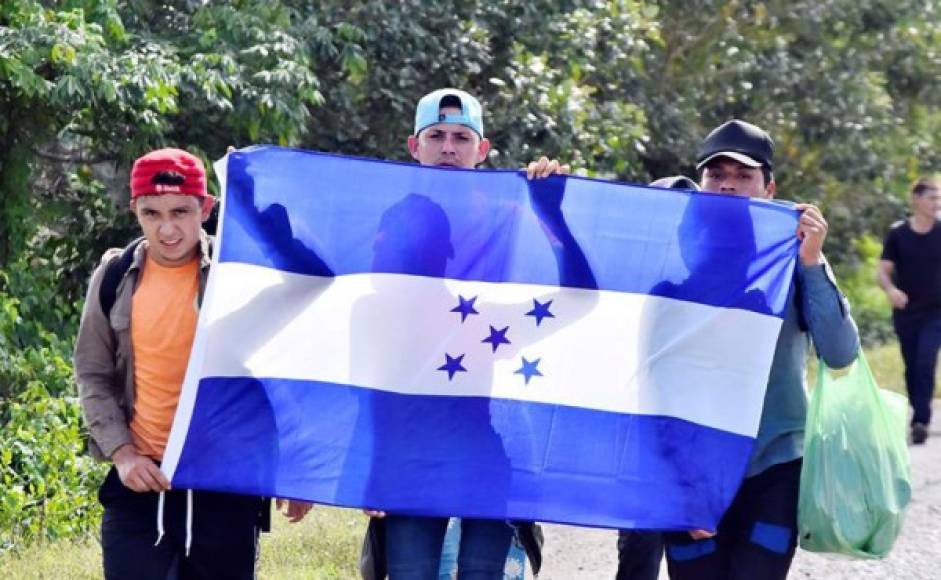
465 307
497 337
453 365
529 370
540 311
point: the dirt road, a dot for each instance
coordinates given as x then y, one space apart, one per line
574 553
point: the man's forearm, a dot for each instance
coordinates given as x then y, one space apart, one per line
105 420
884 281
885 272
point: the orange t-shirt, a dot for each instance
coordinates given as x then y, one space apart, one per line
163 323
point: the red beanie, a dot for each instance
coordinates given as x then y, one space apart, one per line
177 161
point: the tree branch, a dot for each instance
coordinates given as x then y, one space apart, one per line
72 157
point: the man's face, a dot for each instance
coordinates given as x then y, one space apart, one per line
171 225
448 144
928 203
725 175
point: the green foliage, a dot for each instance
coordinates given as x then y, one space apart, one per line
86 87
625 89
30 354
63 254
824 79
850 90
871 309
47 482
247 75
565 86
544 71
83 90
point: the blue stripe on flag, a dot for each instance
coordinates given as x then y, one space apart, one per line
458 456
327 215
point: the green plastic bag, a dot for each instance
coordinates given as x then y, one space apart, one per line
855 483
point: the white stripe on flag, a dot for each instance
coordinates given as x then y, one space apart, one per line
393 332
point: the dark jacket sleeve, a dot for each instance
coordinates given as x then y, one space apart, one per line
828 317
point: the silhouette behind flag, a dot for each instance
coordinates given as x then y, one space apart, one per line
468 343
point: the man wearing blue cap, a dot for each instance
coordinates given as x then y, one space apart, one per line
757 535
449 132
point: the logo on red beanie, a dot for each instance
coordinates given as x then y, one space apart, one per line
168 171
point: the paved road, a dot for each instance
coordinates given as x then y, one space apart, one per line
574 553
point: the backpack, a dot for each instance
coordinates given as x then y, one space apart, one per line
114 272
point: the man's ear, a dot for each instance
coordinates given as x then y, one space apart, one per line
413 146
770 189
482 149
206 206
132 206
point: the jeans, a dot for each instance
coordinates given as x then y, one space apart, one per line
639 554
515 568
756 538
919 340
414 544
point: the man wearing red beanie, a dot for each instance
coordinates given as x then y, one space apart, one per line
131 354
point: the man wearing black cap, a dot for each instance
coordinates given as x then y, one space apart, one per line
757 536
736 158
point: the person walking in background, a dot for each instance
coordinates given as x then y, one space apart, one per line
910 274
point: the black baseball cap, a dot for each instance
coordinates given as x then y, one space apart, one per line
738 140
675 182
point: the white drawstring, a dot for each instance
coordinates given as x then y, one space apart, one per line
189 521
159 518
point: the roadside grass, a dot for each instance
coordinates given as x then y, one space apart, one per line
326 545
885 360
886 364
72 559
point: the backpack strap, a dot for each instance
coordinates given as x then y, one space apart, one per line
114 272
799 304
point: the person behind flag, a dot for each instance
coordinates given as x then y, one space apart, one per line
131 353
640 551
910 274
448 133
757 535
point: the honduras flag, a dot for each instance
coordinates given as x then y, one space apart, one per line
445 342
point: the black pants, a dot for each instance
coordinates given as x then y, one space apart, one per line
224 534
919 340
756 536
639 554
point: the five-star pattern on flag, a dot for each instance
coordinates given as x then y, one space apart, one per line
497 337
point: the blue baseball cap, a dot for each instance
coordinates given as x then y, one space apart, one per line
428 111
